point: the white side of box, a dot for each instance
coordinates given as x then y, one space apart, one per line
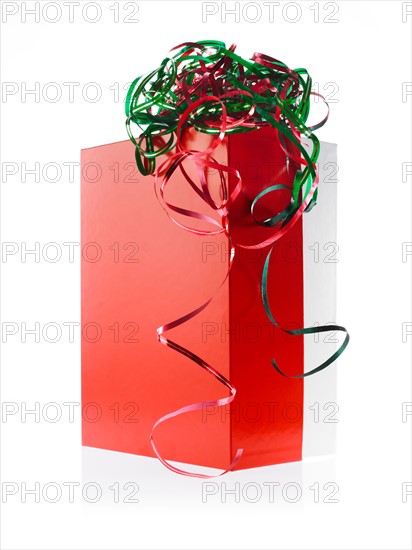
320 257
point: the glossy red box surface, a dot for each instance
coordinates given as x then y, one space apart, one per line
140 271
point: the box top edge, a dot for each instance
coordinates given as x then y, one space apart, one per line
105 144
128 140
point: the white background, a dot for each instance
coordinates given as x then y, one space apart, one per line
366 53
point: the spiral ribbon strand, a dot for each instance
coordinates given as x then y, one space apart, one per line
212 89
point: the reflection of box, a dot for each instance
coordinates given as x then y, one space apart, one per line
140 271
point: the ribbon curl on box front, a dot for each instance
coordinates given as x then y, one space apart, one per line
212 89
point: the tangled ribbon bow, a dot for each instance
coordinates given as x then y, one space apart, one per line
209 87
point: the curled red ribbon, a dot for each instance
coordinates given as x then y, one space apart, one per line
211 88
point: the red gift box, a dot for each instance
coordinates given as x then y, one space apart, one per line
140 271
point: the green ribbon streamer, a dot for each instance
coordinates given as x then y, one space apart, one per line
300 331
